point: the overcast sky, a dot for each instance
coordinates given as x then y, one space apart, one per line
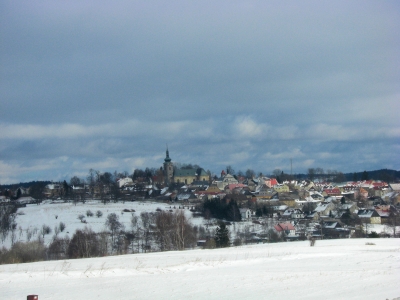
251 84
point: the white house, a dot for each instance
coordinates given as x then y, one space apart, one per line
125 181
245 213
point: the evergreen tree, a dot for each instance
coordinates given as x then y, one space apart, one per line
364 175
67 189
355 177
222 236
233 212
19 193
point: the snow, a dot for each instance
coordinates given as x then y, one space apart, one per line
51 213
332 269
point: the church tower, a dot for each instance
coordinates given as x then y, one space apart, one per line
168 169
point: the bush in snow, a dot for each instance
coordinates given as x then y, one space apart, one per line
61 226
45 230
23 253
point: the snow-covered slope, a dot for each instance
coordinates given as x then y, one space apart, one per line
33 217
333 269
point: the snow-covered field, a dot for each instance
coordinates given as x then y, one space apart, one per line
333 269
33 217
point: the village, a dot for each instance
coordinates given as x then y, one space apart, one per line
292 209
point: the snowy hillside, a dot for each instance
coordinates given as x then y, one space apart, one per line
33 217
333 269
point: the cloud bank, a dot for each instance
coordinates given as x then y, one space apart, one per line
251 84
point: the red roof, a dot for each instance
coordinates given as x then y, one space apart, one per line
379 184
236 185
332 191
284 226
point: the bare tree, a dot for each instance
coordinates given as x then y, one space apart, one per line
75 181
113 225
184 234
84 243
230 170
91 180
311 173
277 172
250 173
164 228
146 236
394 221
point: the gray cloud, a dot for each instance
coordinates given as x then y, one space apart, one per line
245 83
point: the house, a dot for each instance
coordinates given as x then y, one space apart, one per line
385 212
245 213
293 213
314 216
25 200
213 189
264 192
324 208
225 180
269 182
361 192
288 198
395 187
53 190
369 216
335 192
241 199
350 207
127 181
185 197
200 184
286 230
281 188
334 229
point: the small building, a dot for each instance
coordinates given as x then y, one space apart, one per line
245 213
369 216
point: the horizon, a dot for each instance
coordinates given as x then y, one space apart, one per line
212 173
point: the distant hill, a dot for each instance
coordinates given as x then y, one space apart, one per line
23 184
386 175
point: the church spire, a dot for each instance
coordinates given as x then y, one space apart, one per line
167 158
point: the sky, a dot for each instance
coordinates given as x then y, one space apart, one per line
252 84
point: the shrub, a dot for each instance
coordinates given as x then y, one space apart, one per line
373 234
58 248
45 230
99 213
23 252
237 242
89 213
61 226
210 244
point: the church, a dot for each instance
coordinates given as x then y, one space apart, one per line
185 176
